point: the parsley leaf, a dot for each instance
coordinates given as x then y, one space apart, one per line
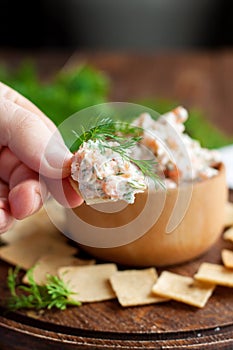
54 294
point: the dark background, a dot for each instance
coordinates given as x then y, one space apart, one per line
116 24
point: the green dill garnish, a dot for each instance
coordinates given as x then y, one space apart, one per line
126 135
54 294
108 129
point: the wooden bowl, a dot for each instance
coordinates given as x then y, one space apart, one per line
199 228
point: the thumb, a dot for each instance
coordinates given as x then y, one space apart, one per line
28 137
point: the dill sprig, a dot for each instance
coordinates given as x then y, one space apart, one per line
107 129
54 294
147 166
127 136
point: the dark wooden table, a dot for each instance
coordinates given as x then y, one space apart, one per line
203 80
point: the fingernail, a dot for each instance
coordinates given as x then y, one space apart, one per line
37 203
57 157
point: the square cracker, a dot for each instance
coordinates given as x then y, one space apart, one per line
228 234
133 287
214 273
228 214
91 283
49 265
183 288
26 252
227 258
36 223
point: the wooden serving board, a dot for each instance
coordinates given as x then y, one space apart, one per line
106 325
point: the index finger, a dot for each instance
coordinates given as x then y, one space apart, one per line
32 141
12 95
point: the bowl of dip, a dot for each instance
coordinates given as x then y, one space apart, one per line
198 230
163 226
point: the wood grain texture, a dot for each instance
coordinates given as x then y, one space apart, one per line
107 324
196 79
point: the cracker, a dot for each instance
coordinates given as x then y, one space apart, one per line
227 258
74 185
214 273
228 234
49 265
133 287
91 283
182 288
26 252
228 214
39 222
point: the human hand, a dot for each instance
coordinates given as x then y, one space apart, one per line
24 134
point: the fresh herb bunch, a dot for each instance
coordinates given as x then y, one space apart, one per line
54 294
126 137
